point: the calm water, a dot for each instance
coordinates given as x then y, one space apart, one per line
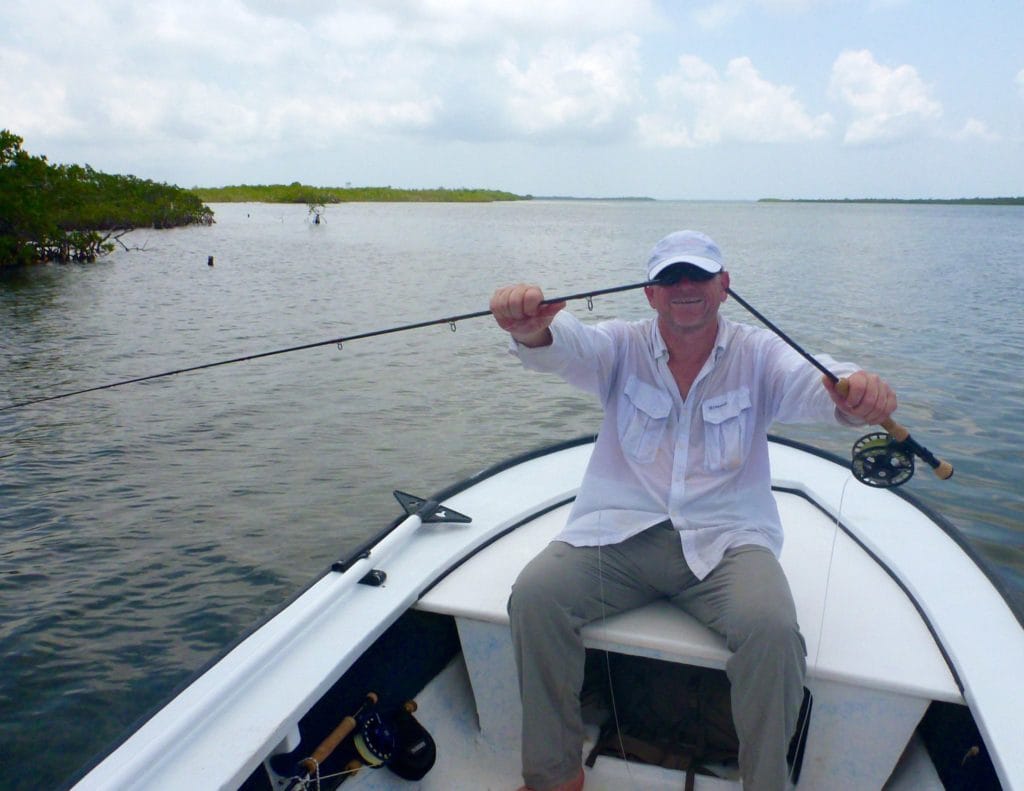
146 528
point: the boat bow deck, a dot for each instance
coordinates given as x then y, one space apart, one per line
871 620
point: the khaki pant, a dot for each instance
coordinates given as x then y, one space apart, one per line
746 599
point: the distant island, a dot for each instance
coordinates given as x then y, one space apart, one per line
623 198
313 196
944 201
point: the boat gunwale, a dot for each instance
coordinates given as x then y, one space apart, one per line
928 511
451 490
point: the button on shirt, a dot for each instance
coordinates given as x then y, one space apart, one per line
701 462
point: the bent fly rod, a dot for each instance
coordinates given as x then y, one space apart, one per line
450 321
881 460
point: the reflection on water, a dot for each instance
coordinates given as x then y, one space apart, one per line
146 528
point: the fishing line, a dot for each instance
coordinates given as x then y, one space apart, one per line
319 778
608 670
339 342
831 561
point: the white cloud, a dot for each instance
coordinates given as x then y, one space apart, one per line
199 91
224 30
701 107
562 88
466 26
973 129
889 104
257 72
546 18
33 95
719 13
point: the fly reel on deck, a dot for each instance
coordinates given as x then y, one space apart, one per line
881 461
374 740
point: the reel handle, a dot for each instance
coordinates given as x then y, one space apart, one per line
942 469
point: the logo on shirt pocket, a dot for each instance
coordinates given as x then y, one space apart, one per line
726 417
643 416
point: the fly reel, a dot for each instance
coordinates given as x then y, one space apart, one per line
375 740
881 461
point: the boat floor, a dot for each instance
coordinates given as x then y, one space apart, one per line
470 760
466 759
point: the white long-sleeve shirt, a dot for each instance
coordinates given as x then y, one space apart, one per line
701 462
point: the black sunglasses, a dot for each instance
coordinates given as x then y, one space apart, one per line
671 275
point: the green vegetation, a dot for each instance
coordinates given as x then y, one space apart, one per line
944 201
609 199
301 193
71 212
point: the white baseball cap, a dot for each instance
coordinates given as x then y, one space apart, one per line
684 247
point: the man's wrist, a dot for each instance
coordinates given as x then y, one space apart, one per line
536 339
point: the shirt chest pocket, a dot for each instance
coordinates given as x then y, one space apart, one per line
726 420
643 418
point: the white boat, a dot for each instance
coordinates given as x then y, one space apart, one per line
915 657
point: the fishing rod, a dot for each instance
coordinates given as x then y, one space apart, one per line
339 342
880 460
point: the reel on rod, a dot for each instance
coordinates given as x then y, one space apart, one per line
879 459
882 461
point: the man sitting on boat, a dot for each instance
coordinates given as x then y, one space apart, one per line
676 502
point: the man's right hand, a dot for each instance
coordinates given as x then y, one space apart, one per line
518 311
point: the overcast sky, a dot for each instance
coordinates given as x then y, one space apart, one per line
714 99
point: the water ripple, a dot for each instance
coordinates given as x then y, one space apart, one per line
146 528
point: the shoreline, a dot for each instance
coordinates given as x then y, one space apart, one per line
1002 201
303 193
